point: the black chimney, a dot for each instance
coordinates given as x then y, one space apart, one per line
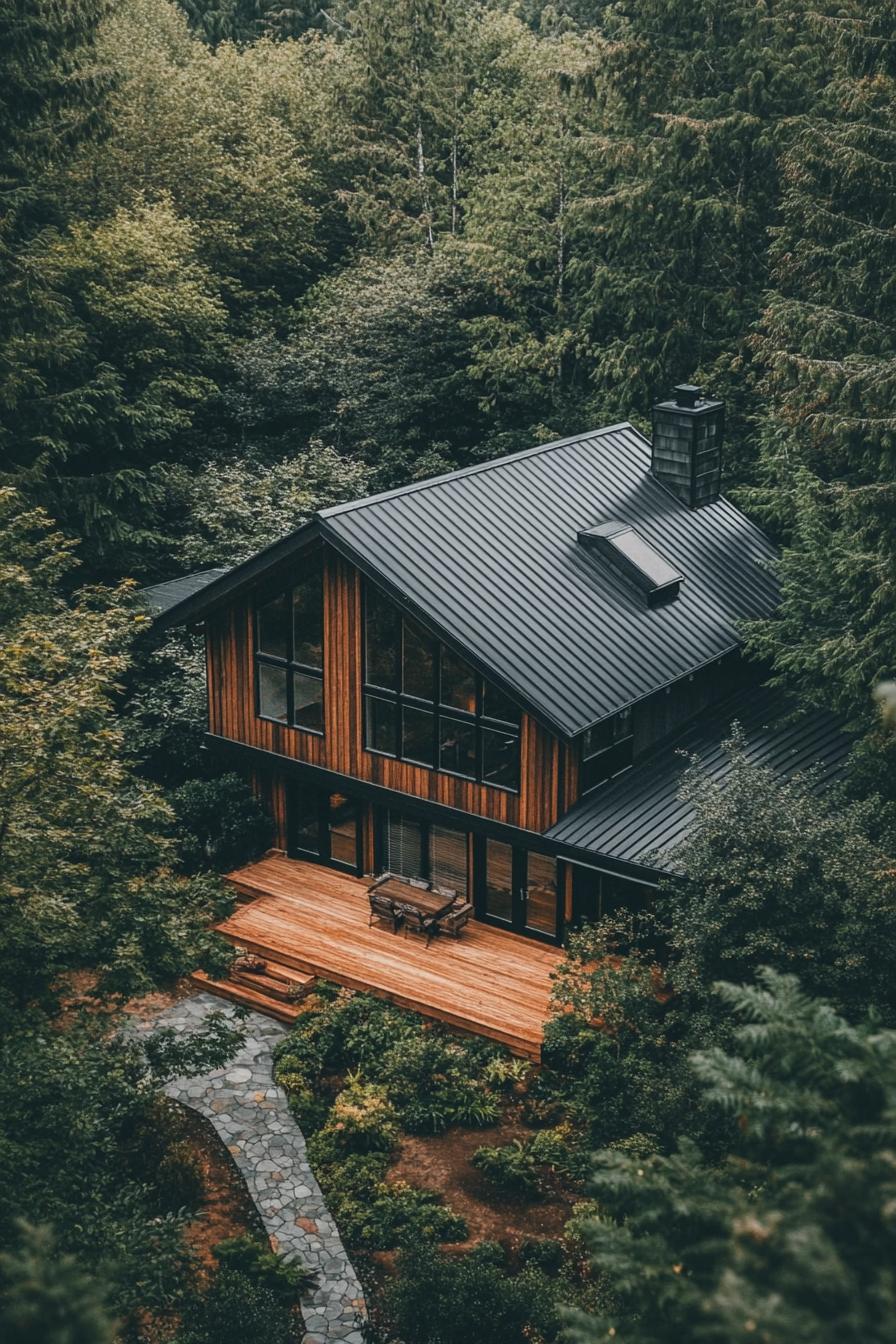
687 445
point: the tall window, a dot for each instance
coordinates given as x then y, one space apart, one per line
425 704
423 849
606 749
289 639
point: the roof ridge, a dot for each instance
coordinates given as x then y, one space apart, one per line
475 469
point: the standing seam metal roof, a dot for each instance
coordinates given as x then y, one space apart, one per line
639 818
489 555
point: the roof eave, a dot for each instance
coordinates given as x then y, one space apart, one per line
194 609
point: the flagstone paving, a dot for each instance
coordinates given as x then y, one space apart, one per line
252 1116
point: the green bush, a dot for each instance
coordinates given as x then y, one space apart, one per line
220 822
237 1308
545 1253
179 1178
561 1151
250 1256
375 1214
437 1298
510 1168
361 1120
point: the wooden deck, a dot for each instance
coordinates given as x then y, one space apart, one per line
313 919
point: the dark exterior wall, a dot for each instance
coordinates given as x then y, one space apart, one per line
547 771
664 712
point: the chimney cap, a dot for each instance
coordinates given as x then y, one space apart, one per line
687 394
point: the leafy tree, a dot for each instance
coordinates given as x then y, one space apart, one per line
777 875
534 157
226 511
827 345
52 99
87 866
231 138
221 823
82 1135
792 1237
376 368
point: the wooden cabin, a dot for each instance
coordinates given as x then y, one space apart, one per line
485 679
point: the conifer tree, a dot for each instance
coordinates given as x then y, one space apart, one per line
793 1237
828 346
694 102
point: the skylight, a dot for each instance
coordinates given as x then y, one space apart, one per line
635 559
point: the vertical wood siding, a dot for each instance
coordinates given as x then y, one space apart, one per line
547 773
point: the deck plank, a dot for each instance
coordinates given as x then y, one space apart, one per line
313 919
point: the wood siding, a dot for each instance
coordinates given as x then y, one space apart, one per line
547 772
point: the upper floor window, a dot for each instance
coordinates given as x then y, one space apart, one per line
425 704
289 639
606 749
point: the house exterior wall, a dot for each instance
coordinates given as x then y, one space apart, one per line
548 772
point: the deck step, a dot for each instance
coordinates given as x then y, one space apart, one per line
277 981
246 997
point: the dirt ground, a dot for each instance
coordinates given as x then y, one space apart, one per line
226 1209
442 1162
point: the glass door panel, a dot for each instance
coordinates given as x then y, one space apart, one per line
304 822
448 859
498 893
404 846
343 827
541 895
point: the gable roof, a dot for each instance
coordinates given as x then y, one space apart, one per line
488 557
164 597
638 817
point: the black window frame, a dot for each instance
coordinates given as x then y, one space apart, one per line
399 700
613 756
290 665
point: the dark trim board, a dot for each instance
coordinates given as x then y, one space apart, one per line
259 759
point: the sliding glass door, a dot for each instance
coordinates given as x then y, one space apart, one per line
517 889
324 827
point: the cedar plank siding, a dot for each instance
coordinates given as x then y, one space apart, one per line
547 773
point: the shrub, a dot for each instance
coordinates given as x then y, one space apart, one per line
236 1308
250 1256
375 1214
511 1168
539 1112
560 1150
220 822
362 1120
448 1299
547 1253
179 1178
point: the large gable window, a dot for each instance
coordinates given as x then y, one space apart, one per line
425 704
289 639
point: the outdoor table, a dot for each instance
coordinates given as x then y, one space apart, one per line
429 903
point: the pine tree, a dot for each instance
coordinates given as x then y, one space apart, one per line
793 1237
828 345
47 1298
52 100
695 100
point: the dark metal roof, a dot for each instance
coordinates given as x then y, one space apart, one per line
163 597
639 818
489 557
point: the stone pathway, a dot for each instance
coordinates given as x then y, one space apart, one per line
252 1116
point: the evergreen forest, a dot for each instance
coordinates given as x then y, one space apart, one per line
258 257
